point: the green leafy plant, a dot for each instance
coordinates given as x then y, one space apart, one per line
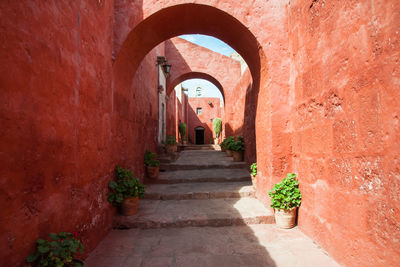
211 141
150 159
228 142
286 194
253 169
182 130
237 145
217 127
58 252
124 185
171 140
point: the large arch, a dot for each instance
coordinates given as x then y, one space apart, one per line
186 57
196 75
164 25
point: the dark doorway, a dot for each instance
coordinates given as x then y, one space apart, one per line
199 133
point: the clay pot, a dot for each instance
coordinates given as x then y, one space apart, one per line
285 218
228 152
171 149
254 181
152 172
237 155
129 206
222 149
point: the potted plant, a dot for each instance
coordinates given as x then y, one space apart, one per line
58 252
253 173
182 131
152 164
217 127
237 149
285 199
171 144
228 143
222 145
125 191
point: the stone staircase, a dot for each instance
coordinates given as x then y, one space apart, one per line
201 188
202 212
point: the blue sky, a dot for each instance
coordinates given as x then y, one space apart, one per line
214 44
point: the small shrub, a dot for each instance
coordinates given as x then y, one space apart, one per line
217 127
286 194
253 169
228 142
58 252
150 159
171 140
182 130
237 145
125 185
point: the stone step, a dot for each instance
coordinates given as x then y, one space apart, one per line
198 147
205 175
173 166
199 191
205 212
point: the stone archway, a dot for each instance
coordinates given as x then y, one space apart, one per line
162 25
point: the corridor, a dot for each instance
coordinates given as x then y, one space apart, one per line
202 212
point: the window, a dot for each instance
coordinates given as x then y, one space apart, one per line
198 111
199 91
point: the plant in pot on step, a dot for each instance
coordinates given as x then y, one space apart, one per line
253 172
285 199
222 145
182 131
237 149
58 252
170 144
217 127
152 164
125 191
228 143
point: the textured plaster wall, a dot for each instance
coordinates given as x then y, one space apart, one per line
345 82
237 110
56 122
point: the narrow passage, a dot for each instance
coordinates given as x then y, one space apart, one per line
202 212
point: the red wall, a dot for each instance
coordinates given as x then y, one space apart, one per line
346 83
208 112
239 115
56 117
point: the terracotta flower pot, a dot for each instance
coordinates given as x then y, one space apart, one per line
285 218
152 172
228 152
254 181
171 149
129 206
237 155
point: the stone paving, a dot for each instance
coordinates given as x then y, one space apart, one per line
200 216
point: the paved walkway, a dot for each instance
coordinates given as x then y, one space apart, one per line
202 212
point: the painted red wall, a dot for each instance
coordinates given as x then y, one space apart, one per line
208 112
242 105
56 116
346 86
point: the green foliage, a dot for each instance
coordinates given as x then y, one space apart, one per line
236 145
182 130
171 140
253 169
286 194
217 127
124 185
228 142
150 159
211 141
58 252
